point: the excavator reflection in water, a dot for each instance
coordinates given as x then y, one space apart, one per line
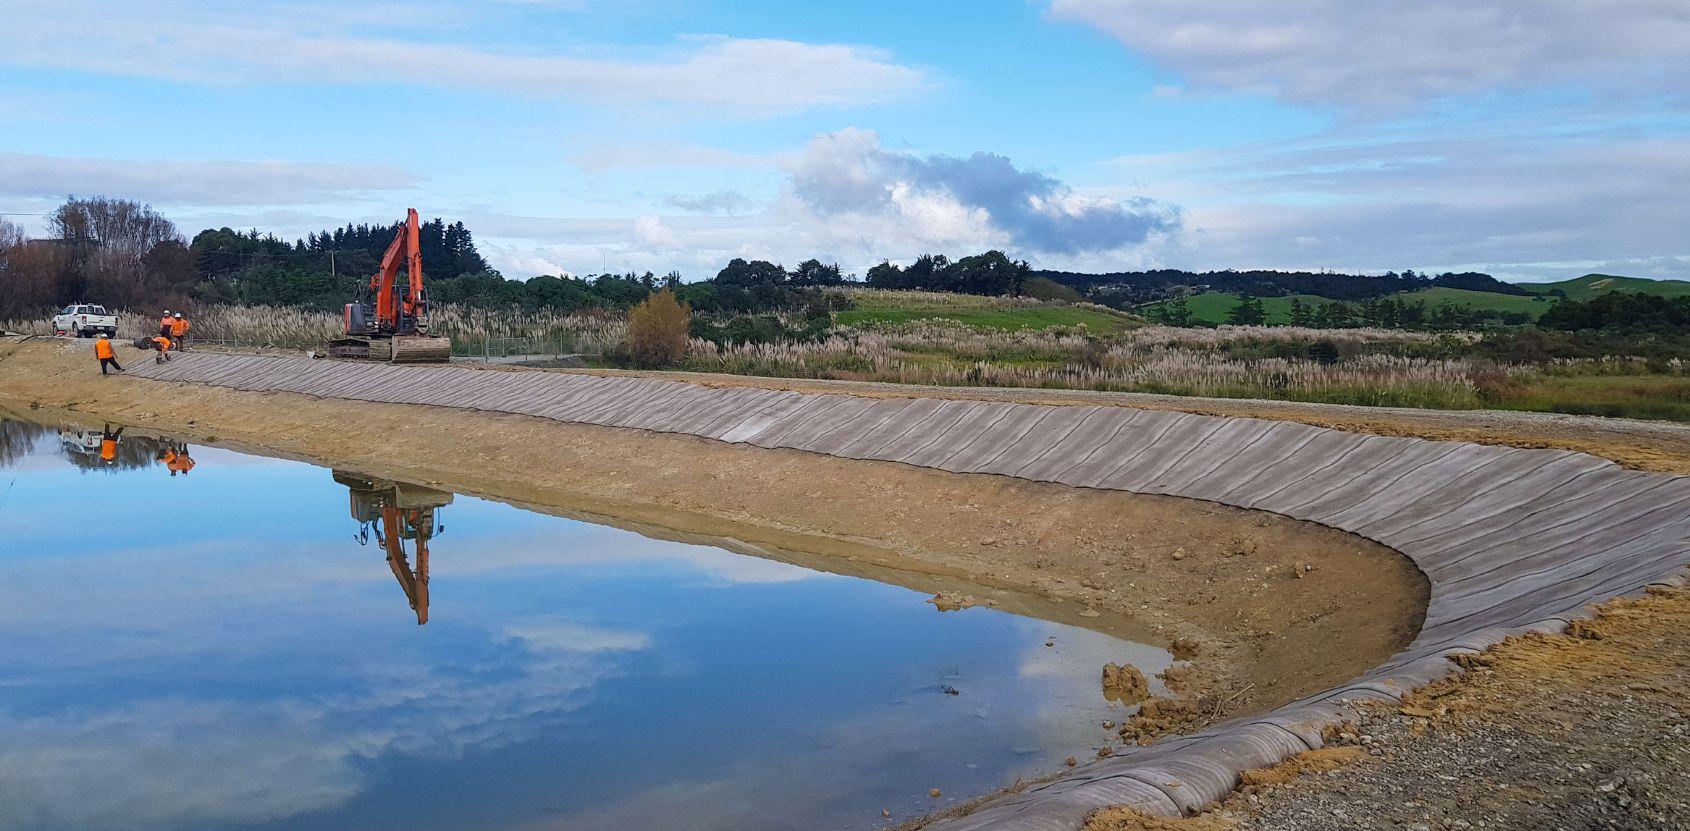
394 512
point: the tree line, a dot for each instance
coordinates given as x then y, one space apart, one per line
1126 289
1384 313
991 273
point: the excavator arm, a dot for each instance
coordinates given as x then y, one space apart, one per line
405 249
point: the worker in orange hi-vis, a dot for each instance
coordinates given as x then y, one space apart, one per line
103 351
162 344
179 331
165 323
108 444
183 462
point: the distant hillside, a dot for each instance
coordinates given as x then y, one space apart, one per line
1592 285
1126 289
1213 307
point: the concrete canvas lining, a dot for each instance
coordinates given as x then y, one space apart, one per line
1511 540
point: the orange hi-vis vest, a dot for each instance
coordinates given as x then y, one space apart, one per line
102 349
161 343
179 326
108 449
165 321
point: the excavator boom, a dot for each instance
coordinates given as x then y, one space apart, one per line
391 321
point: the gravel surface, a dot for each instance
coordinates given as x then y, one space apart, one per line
1589 730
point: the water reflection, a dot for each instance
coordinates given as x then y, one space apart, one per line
393 513
222 658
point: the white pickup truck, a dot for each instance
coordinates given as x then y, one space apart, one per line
84 321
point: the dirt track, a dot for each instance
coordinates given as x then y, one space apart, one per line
1146 567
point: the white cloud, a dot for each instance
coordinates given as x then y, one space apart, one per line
566 636
721 201
945 202
1514 203
214 46
1381 54
652 233
195 182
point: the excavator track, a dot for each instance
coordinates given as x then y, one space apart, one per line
419 349
406 349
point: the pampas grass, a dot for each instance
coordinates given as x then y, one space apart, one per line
288 327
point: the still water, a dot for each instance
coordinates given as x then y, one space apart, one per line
194 638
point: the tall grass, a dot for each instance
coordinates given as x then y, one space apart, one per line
1071 362
295 328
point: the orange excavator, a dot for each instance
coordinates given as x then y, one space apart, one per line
389 321
394 512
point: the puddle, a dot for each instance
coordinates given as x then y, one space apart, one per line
194 638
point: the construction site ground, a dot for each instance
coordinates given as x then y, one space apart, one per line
1586 730
1149 568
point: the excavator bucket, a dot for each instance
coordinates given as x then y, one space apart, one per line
418 349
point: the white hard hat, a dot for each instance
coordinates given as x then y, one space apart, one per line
178 314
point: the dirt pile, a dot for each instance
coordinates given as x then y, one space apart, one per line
953 601
1124 683
1311 761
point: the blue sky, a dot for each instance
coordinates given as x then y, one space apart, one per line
1533 140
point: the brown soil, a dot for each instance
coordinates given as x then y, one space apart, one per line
1097 559
1122 818
1125 683
1310 761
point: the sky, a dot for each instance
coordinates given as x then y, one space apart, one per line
1532 140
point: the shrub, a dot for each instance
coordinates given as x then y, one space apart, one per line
657 330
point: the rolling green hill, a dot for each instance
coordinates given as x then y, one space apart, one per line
1487 300
979 312
1591 285
1214 306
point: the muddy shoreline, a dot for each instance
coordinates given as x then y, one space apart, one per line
1148 568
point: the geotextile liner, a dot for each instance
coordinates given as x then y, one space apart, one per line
1511 540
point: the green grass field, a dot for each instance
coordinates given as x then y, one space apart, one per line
1214 306
1591 285
1487 300
1664 397
969 311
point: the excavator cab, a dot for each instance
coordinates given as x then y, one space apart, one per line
390 321
394 513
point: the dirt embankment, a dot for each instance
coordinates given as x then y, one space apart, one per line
1145 567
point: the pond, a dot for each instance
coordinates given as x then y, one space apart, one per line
195 638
